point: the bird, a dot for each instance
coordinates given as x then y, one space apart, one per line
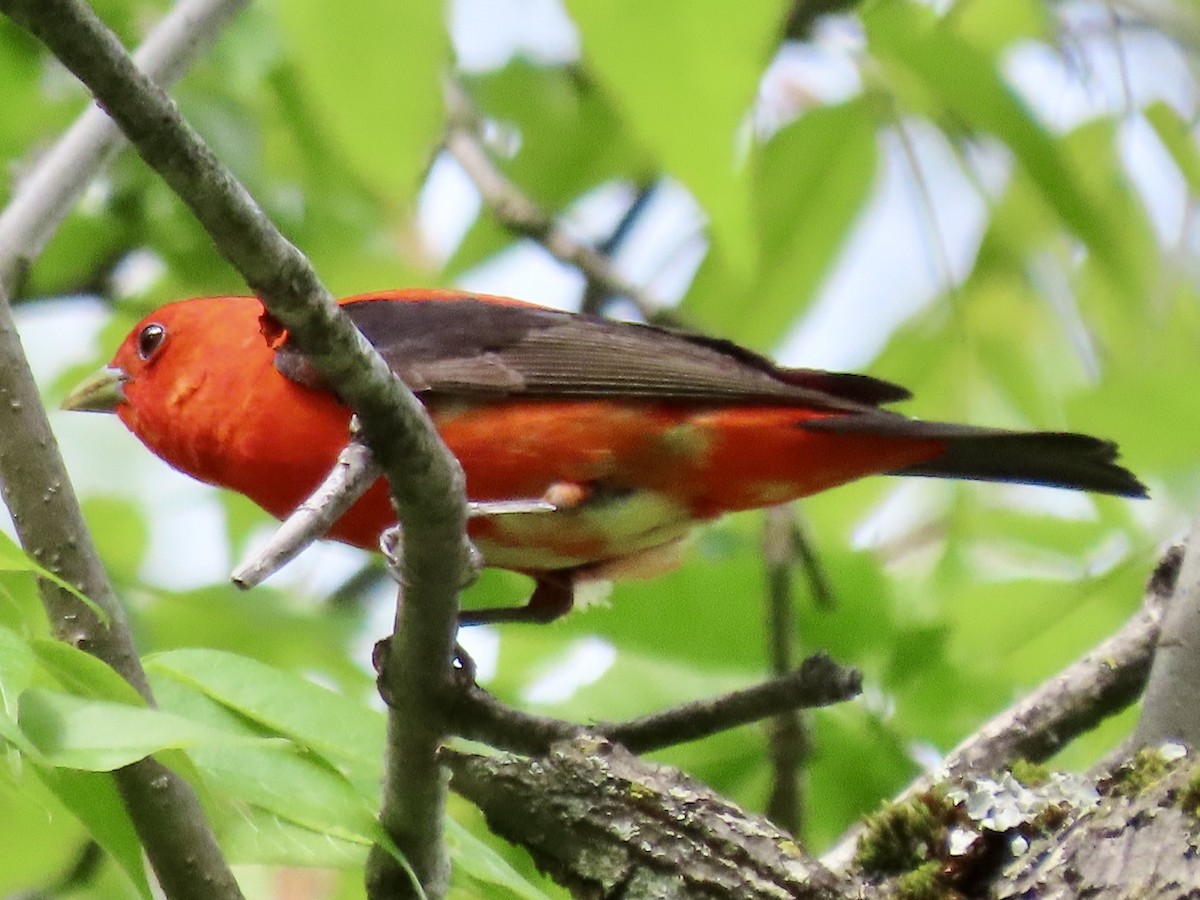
631 434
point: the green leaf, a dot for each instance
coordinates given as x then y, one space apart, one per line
486 867
14 559
909 40
254 836
20 607
813 179
16 669
571 137
93 799
1176 136
291 785
382 101
344 732
82 674
120 532
571 140
97 735
993 25
685 73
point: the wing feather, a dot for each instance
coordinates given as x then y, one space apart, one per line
470 346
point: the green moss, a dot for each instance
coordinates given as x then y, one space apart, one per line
903 837
926 882
1134 776
1189 797
1030 774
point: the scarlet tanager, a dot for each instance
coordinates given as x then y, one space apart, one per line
637 433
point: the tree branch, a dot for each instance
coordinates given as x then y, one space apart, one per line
819 681
428 486
353 473
164 809
1169 709
1099 684
790 742
610 825
44 198
517 212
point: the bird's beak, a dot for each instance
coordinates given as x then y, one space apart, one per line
99 392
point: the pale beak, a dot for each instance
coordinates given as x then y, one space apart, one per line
99 392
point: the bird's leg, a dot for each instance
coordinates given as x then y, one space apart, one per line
553 594
391 545
552 598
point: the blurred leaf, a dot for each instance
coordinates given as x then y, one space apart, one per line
993 25
813 179
119 530
570 140
485 867
907 37
1177 137
292 786
659 62
39 837
328 642
343 732
16 669
97 735
93 799
14 559
857 759
20 606
570 137
83 674
256 836
382 103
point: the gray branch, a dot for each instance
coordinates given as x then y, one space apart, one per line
517 212
161 805
428 485
43 199
1171 710
610 825
1101 683
817 681
353 473
163 808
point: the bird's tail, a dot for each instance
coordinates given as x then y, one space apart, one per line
1050 458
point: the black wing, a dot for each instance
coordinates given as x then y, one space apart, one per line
475 347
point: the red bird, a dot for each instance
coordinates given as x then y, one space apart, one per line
637 433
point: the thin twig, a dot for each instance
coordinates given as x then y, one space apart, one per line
45 196
352 474
819 681
517 212
1101 683
789 740
427 487
596 297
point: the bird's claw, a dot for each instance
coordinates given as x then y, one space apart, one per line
463 669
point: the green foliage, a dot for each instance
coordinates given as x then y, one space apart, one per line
1077 311
658 62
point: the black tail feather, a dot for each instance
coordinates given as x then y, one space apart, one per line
1050 458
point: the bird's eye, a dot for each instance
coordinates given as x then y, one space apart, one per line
150 339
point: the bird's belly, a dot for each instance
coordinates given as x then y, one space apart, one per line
597 530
